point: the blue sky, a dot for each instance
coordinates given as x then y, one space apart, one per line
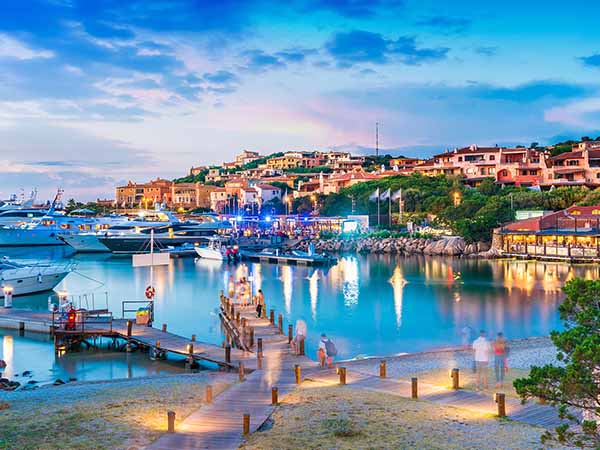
96 93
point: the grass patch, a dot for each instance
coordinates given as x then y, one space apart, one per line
333 417
112 415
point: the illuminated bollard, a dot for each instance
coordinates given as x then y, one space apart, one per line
290 334
274 393
164 327
501 401
382 369
170 421
455 378
342 371
208 394
414 388
298 374
246 424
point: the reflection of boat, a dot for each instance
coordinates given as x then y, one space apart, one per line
25 279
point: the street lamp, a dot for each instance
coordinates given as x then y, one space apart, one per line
8 294
456 198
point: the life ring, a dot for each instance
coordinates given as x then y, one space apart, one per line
150 291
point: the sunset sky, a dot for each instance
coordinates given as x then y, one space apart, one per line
94 93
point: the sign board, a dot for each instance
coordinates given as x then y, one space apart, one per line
363 221
151 259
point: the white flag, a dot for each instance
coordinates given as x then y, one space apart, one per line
397 195
374 196
385 195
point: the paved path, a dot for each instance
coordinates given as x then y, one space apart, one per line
530 413
219 425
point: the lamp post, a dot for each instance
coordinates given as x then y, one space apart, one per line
8 295
456 197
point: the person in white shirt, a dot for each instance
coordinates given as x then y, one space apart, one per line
300 335
482 350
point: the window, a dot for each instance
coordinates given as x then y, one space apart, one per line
596 212
573 162
492 157
460 159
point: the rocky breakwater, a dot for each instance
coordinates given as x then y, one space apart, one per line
447 246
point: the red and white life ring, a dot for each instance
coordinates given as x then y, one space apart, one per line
150 291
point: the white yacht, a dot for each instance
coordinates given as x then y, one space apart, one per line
14 203
20 216
28 279
88 242
47 229
214 250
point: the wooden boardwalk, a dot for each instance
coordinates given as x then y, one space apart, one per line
529 413
220 424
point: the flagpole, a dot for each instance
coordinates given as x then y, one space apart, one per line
390 210
400 206
378 212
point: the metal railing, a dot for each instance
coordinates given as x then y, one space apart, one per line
149 304
81 321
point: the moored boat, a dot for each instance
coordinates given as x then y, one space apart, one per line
24 279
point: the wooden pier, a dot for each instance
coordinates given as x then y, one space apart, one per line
160 341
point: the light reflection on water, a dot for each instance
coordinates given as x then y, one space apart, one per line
370 305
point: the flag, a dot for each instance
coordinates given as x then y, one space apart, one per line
385 195
397 195
374 196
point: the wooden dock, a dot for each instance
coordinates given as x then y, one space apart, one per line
141 336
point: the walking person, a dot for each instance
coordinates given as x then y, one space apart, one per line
327 351
482 350
231 288
260 303
500 359
300 336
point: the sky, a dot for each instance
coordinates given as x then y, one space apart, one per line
96 93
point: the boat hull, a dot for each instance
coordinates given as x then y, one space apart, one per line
85 243
210 253
142 244
24 284
20 237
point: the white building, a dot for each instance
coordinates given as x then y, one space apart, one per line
267 193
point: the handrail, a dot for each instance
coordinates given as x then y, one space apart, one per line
60 320
142 303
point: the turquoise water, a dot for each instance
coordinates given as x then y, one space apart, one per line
369 305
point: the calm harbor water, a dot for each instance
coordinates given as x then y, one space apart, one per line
369 305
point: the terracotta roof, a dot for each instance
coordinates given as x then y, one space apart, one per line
568 155
469 150
267 187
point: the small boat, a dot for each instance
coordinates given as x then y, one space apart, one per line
185 249
28 279
214 250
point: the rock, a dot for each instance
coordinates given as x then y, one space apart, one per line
27 373
71 379
58 382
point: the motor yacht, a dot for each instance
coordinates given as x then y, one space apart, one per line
19 216
215 250
173 235
27 279
88 242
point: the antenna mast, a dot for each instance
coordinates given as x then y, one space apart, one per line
377 139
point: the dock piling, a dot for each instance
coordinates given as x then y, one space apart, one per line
242 373
301 347
298 373
259 350
251 343
228 354
129 327
280 323
274 394
272 317
164 327
193 338
290 333
342 371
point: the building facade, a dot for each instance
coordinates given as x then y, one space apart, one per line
144 195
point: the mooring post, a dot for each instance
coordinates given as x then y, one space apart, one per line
382 369
290 333
455 378
274 393
301 348
228 354
170 421
272 317
298 373
259 349
501 401
164 327
251 343
264 311
246 424
280 323
241 369
157 345
208 394
193 338
414 388
342 371
129 327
